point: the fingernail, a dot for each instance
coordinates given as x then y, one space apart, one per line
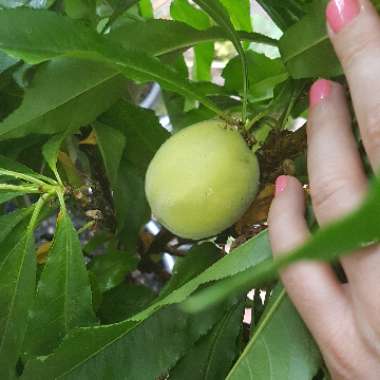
281 183
320 90
341 12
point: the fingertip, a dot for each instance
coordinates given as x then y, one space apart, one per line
323 90
287 225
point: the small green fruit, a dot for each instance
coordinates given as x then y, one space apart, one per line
202 180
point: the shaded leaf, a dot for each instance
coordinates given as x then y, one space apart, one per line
9 164
281 347
40 36
111 268
132 210
110 351
6 62
5 196
198 259
283 13
82 90
8 223
111 143
124 301
50 151
80 8
63 299
142 130
238 261
17 283
214 353
108 344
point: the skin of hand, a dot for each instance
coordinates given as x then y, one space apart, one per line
344 319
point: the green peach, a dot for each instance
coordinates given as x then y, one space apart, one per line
202 180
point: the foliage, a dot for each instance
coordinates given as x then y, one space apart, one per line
92 299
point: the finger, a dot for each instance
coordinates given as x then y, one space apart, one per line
312 286
337 180
338 184
354 28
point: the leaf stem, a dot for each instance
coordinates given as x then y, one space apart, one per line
23 189
22 176
86 227
36 212
61 198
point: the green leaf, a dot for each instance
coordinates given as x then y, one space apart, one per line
238 261
50 151
263 79
17 272
78 9
219 14
214 353
8 223
357 230
124 301
143 136
132 210
63 299
111 143
6 196
17 286
204 55
111 268
37 4
142 131
182 10
281 347
110 342
240 13
125 350
40 36
6 62
82 90
283 13
146 8
199 258
9 164
306 48
159 37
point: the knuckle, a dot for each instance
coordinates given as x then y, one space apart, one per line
372 130
325 191
370 332
356 52
340 362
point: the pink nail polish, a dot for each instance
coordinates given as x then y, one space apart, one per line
281 183
341 12
320 90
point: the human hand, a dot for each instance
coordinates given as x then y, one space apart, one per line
344 319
